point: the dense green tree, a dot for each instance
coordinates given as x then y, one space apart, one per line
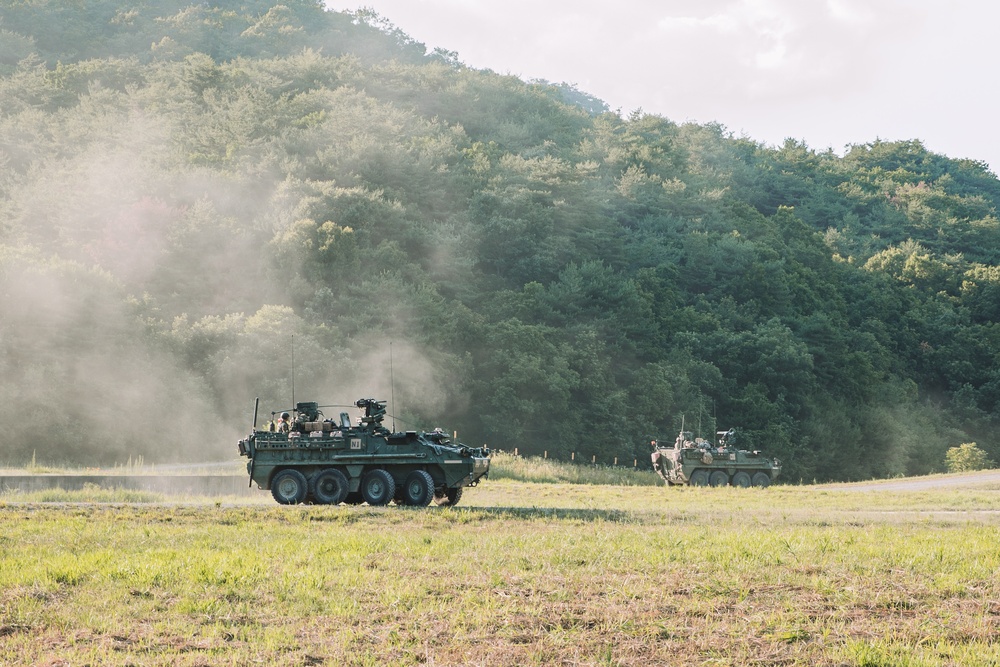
236 199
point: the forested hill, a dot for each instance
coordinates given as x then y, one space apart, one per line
200 202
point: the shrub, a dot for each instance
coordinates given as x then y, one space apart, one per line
967 457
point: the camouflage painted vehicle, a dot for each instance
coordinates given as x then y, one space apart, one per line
330 461
699 463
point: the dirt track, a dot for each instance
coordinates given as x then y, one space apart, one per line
985 478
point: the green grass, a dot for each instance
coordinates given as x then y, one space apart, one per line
90 493
520 574
538 469
135 466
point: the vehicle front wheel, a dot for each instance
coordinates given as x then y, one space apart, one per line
289 487
418 489
699 478
378 487
718 478
450 497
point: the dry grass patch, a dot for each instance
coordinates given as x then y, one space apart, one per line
524 574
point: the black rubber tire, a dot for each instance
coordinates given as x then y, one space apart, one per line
378 487
741 479
289 487
699 478
718 478
418 489
449 498
761 479
329 486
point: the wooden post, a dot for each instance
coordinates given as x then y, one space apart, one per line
546 455
572 457
515 451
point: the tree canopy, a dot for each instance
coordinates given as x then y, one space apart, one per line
202 203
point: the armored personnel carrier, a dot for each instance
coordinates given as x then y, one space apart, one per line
699 463
308 458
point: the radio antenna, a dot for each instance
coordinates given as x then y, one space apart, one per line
701 409
293 372
392 389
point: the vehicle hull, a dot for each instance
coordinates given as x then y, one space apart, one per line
685 462
315 449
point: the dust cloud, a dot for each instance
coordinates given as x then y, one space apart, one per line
146 298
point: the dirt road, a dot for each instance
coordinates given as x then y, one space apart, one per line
985 478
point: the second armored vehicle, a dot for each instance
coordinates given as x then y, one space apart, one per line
313 459
699 463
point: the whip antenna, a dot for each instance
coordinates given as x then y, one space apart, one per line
392 389
293 372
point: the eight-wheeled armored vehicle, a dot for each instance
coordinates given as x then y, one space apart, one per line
698 462
308 458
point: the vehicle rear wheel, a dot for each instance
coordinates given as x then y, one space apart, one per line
418 489
699 478
289 487
378 487
718 478
761 479
329 486
742 479
450 497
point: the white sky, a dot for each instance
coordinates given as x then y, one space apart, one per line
828 72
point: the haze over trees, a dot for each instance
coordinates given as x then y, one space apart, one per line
196 198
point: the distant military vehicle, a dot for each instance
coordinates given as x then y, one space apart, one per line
699 463
332 461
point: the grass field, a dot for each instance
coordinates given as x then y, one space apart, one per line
522 573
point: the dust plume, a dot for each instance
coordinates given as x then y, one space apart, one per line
81 382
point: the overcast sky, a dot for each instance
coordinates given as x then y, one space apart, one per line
828 72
